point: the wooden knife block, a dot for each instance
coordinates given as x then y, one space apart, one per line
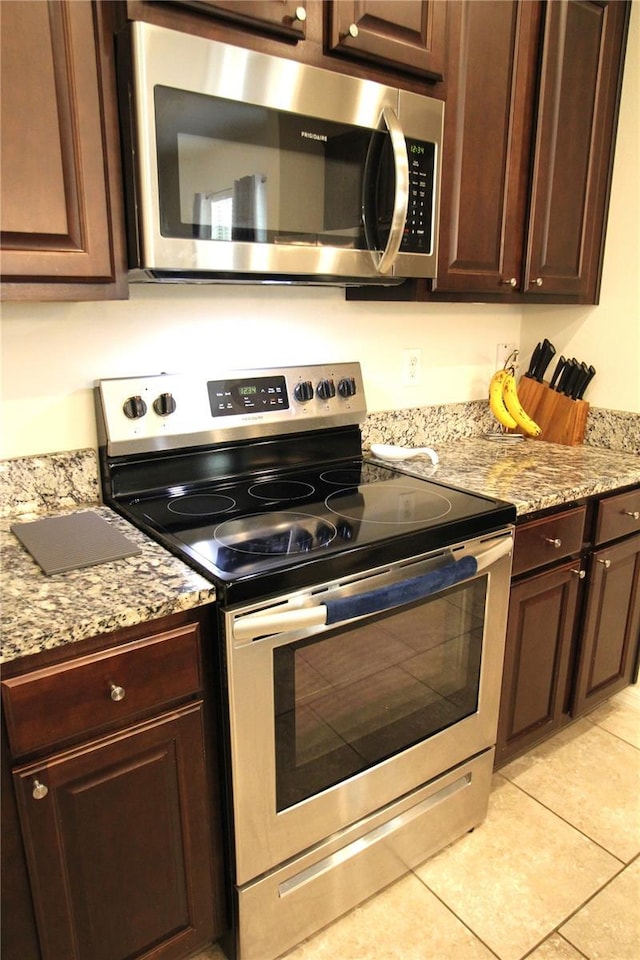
562 419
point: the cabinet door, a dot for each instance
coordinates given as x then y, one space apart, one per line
540 629
118 844
582 58
282 17
407 34
60 219
487 138
612 625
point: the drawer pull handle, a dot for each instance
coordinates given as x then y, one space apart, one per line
632 513
117 693
554 541
605 563
580 574
39 790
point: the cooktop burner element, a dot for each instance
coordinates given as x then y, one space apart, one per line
199 505
278 490
390 502
260 501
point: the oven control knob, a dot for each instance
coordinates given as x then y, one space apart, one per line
134 408
347 387
303 391
326 389
164 404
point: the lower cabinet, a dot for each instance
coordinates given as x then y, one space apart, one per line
112 760
116 835
573 628
542 612
609 641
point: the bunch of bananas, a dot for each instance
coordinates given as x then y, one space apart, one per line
505 404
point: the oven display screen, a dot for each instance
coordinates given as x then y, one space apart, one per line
230 398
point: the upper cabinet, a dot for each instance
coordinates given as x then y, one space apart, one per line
409 34
283 18
398 41
532 107
61 219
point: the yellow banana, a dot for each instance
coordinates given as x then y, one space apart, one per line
515 408
496 400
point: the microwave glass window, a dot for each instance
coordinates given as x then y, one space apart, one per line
231 171
350 698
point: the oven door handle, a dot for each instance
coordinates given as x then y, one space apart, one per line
342 609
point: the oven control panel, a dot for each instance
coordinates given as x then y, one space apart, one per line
164 411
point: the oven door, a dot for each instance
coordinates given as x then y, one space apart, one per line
351 694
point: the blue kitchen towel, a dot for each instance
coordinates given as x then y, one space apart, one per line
407 591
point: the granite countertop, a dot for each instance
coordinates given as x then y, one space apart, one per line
530 474
40 612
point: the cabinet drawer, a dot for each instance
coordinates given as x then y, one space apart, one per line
101 690
618 516
551 538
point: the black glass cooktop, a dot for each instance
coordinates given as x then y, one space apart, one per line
275 523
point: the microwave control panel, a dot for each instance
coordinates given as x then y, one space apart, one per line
418 233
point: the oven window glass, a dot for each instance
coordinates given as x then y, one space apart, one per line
231 171
357 695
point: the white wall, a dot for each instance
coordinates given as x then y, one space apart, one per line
52 353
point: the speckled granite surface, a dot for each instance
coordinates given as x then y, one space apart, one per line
428 426
40 612
532 475
49 482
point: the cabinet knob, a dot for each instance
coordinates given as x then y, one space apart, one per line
554 542
633 513
39 790
536 283
117 693
300 14
605 563
511 282
351 31
580 574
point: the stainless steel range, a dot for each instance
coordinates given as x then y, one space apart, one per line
362 615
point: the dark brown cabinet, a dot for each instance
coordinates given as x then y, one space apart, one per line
573 627
493 54
110 758
542 614
529 137
407 34
61 220
611 628
532 94
284 18
402 42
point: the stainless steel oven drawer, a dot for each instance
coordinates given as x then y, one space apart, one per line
282 908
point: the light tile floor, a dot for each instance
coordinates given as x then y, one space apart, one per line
553 873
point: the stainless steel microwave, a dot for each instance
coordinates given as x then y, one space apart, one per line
248 167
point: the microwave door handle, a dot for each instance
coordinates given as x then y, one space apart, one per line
401 200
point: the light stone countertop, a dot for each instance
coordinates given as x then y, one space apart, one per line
42 612
531 474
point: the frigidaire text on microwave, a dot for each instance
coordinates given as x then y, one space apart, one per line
247 167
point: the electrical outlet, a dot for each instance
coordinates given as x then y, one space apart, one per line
503 352
411 366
